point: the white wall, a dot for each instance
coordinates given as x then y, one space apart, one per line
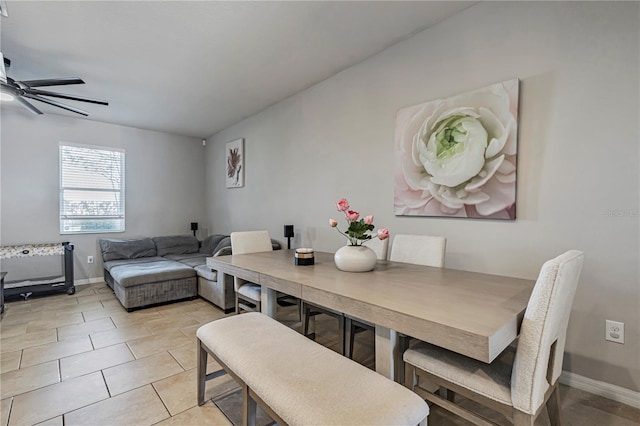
163 192
578 156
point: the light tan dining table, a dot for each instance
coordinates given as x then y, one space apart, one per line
474 314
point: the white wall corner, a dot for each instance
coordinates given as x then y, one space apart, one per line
607 390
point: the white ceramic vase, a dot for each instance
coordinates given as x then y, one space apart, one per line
355 259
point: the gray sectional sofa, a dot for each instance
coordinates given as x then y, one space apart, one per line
147 271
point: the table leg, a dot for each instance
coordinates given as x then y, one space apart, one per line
268 301
388 356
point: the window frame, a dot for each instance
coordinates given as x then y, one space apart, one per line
61 198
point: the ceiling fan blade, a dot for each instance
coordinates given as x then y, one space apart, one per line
51 82
3 9
28 106
3 71
57 104
64 96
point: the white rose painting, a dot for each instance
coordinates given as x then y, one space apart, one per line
456 157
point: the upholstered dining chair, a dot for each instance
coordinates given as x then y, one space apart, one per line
427 250
248 294
522 379
380 247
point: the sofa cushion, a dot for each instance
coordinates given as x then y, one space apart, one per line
191 259
205 272
176 244
252 291
112 263
210 243
137 273
113 249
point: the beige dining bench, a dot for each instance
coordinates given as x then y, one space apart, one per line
300 382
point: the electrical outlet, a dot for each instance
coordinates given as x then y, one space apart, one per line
614 331
89 259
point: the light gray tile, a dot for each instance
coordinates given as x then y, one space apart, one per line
131 375
11 344
96 360
138 407
85 328
51 401
39 354
157 343
27 379
102 339
10 361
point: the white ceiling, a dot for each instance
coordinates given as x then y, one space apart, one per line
194 68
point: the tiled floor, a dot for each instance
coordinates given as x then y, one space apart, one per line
83 360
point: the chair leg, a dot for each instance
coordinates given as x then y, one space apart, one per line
202 371
341 323
410 378
237 304
248 407
553 407
522 419
352 338
349 335
447 394
306 313
403 345
414 378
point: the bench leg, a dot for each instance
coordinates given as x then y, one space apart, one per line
248 407
202 371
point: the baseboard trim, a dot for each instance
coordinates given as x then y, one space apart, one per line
89 281
606 390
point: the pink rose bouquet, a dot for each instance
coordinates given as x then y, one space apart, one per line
357 231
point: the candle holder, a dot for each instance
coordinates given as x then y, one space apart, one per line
304 257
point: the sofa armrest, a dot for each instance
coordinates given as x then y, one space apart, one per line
224 251
219 292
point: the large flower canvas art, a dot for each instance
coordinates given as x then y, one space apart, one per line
456 157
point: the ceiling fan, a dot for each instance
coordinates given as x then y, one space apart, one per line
20 90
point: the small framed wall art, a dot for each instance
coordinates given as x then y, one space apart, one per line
235 163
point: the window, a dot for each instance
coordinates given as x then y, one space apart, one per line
91 189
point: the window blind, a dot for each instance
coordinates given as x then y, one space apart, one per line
91 189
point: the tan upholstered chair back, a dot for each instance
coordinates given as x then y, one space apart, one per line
381 247
419 249
250 242
538 361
